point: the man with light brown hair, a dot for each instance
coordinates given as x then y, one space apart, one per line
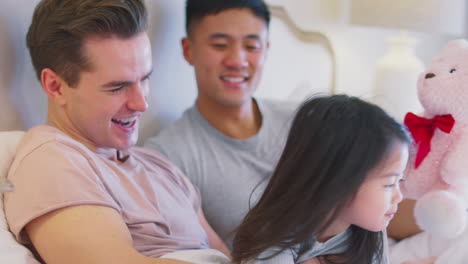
84 193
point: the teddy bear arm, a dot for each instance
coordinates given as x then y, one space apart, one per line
454 170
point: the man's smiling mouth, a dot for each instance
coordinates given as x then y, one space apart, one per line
126 122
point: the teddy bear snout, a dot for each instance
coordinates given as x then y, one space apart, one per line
429 75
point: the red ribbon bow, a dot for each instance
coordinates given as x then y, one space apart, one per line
422 130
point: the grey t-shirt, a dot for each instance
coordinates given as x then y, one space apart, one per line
334 245
225 170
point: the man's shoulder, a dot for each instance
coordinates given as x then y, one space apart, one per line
181 127
278 115
45 147
279 108
176 137
45 136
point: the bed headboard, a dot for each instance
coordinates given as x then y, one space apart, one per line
299 63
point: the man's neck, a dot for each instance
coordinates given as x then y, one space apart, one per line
238 122
56 119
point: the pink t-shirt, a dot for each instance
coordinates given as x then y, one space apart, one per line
156 201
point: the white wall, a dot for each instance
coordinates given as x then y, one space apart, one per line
292 63
295 66
357 48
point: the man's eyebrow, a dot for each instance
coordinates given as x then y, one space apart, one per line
124 83
219 35
224 36
253 36
116 84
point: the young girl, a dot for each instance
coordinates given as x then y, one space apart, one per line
334 190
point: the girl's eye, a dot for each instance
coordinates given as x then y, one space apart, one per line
453 70
389 186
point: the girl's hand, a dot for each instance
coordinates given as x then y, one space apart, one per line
430 260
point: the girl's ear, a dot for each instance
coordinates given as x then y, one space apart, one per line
53 85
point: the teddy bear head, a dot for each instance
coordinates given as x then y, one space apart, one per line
443 86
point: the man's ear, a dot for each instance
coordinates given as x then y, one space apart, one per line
53 85
186 49
267 48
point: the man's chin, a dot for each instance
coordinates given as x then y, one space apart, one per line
237 102
126 144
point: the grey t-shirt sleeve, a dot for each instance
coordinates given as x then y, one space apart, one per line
153 144
285 257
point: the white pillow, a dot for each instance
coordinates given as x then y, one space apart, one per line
199 256
8 142
11 252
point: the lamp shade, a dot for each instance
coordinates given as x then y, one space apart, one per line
435 16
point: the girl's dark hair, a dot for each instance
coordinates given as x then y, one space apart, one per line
333 143
195 10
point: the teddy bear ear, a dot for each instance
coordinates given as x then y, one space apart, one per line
462 43
452 49
456 44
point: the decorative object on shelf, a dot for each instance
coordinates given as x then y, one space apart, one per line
397 71
396 75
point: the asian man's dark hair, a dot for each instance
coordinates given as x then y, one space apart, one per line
196 10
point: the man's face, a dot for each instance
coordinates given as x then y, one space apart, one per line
228 51
104 109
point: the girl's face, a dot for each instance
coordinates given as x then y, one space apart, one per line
376 201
